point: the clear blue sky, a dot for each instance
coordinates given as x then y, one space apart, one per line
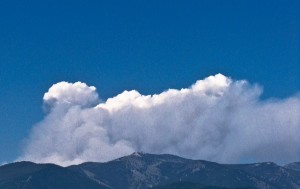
145 45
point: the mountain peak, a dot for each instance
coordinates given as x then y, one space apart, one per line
138 154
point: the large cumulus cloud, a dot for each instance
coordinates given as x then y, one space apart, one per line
216 119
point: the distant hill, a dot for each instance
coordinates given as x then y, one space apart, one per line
27 175
295 166
141 171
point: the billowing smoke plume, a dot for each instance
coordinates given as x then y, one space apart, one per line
215 119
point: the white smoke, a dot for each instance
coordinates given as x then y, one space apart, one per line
215 119
74 94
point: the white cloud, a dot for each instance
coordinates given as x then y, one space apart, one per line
71 94
216 119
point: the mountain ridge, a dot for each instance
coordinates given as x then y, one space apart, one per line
142 170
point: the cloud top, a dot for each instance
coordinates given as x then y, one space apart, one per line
216 119
71 93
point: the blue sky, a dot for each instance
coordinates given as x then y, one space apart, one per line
145 45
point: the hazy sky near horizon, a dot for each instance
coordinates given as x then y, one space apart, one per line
149 46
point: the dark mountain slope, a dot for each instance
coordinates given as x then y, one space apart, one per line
135 171
272 174
190 185
27 175
294 166
142 171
